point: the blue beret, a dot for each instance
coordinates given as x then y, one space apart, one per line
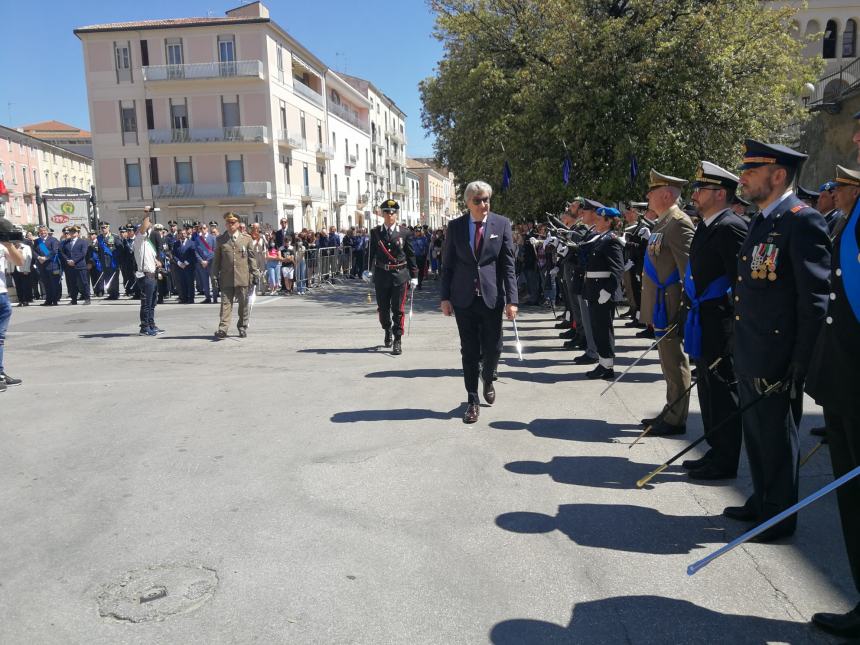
608 211
826 186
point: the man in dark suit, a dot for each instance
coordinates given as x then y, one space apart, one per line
832 382
46 250
781 298
75 253
478 281
183 257
711 274
392 262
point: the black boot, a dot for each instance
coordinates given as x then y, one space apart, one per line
387 340
397 350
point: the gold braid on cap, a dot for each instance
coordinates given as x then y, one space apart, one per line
231 217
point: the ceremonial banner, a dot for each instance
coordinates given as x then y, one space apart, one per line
67 212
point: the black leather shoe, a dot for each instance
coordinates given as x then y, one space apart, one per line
649 421
220 334
571 344
711 472
663 429
397 350
818 432
845 625
606 373
243 333
472 413
693 464
562 325
570 334
387 341
633 323
585 359
645 333
489 392
741 513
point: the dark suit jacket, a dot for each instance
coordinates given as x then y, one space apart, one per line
495 269
186 255
79 254
714 253
777 322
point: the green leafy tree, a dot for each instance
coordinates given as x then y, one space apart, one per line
669 81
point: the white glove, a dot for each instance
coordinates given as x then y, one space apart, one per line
645 233
604 296
549 240
535 241
554 272
629 265
413 282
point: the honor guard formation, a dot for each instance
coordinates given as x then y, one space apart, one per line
750 295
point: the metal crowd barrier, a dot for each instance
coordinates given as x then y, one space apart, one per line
324 266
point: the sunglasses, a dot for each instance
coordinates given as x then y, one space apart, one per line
477 201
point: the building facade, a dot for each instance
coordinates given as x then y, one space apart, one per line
438 198
62 135
27 163
198 116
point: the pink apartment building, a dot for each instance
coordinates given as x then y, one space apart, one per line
198 116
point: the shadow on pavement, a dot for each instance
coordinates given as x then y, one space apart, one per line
588 430
343 350
417 373
620 527
597 472
652 620
402 414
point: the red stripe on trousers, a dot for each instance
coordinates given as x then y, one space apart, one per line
403 309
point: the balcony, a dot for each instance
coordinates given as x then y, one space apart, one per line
238 134
311 194
310 94
363 199
351 161
399 188
197 71
340 197
396 161
324 152
291 141
349 116
377 142
395 135
261 189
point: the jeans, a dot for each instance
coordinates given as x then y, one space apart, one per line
148 293
273 270
301 276
5 315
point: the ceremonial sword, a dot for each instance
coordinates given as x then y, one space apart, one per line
738 412
517 334
776 519
411 301
653 345
672 405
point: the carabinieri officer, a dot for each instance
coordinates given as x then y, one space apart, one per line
780 303
604 267
711 274
392 262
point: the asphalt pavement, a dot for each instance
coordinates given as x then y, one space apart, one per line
303 485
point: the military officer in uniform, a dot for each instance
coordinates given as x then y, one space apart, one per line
665 263
781 299
827 205
636 235
604 266
106 249
392 261
808 197
234 268
708 281
587 212
832 382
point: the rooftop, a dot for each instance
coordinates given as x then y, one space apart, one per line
54 129
168 23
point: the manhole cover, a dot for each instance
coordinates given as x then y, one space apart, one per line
157 592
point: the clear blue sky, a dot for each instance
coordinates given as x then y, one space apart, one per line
388 42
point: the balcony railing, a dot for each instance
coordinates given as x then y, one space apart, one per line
311 194
347 115
307 92
831 90
290 140
399 188
242 133
376 142
364 198
397 161
340 197
194 71
324 152
395 135
211 191
351 161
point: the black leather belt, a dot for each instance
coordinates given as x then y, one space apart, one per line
391 267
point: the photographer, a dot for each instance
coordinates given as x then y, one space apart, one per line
10 257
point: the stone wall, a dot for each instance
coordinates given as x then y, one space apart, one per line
827 140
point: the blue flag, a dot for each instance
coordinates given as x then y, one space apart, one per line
565 171
634 169
506 176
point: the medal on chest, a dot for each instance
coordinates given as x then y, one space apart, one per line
655 243
764 262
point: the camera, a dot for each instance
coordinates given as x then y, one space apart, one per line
9 232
